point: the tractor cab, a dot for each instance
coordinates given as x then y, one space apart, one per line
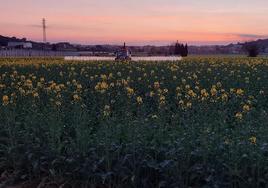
123 54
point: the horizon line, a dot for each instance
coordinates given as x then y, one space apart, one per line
140 43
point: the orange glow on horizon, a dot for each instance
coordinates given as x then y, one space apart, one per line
156 22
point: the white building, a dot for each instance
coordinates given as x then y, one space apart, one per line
25 45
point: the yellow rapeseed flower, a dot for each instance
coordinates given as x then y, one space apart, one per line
35 94
79 86
107 110
189 105
139 100
239 92
76 97
239 115
156 85
181 102
165 90
112 84
130 91
42 79
204 93
246 108
5 100
253 140
162 100
213 91
151 93
191 93
218 84
154 116
103 77
58 103
29 83
119 74
226 141
224 97
101 87
124 82
2 86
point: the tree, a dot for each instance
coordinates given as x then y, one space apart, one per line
177 49
252 49
186 50
54 47
181 49
171 50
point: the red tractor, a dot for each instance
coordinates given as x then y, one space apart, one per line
123 54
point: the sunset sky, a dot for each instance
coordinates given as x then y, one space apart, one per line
137 22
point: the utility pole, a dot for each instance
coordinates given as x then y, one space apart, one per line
44 30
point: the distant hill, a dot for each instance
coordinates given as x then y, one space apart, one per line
230 48
261 43
141 50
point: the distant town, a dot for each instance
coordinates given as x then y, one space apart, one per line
24 47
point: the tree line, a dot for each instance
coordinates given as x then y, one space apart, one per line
180 49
